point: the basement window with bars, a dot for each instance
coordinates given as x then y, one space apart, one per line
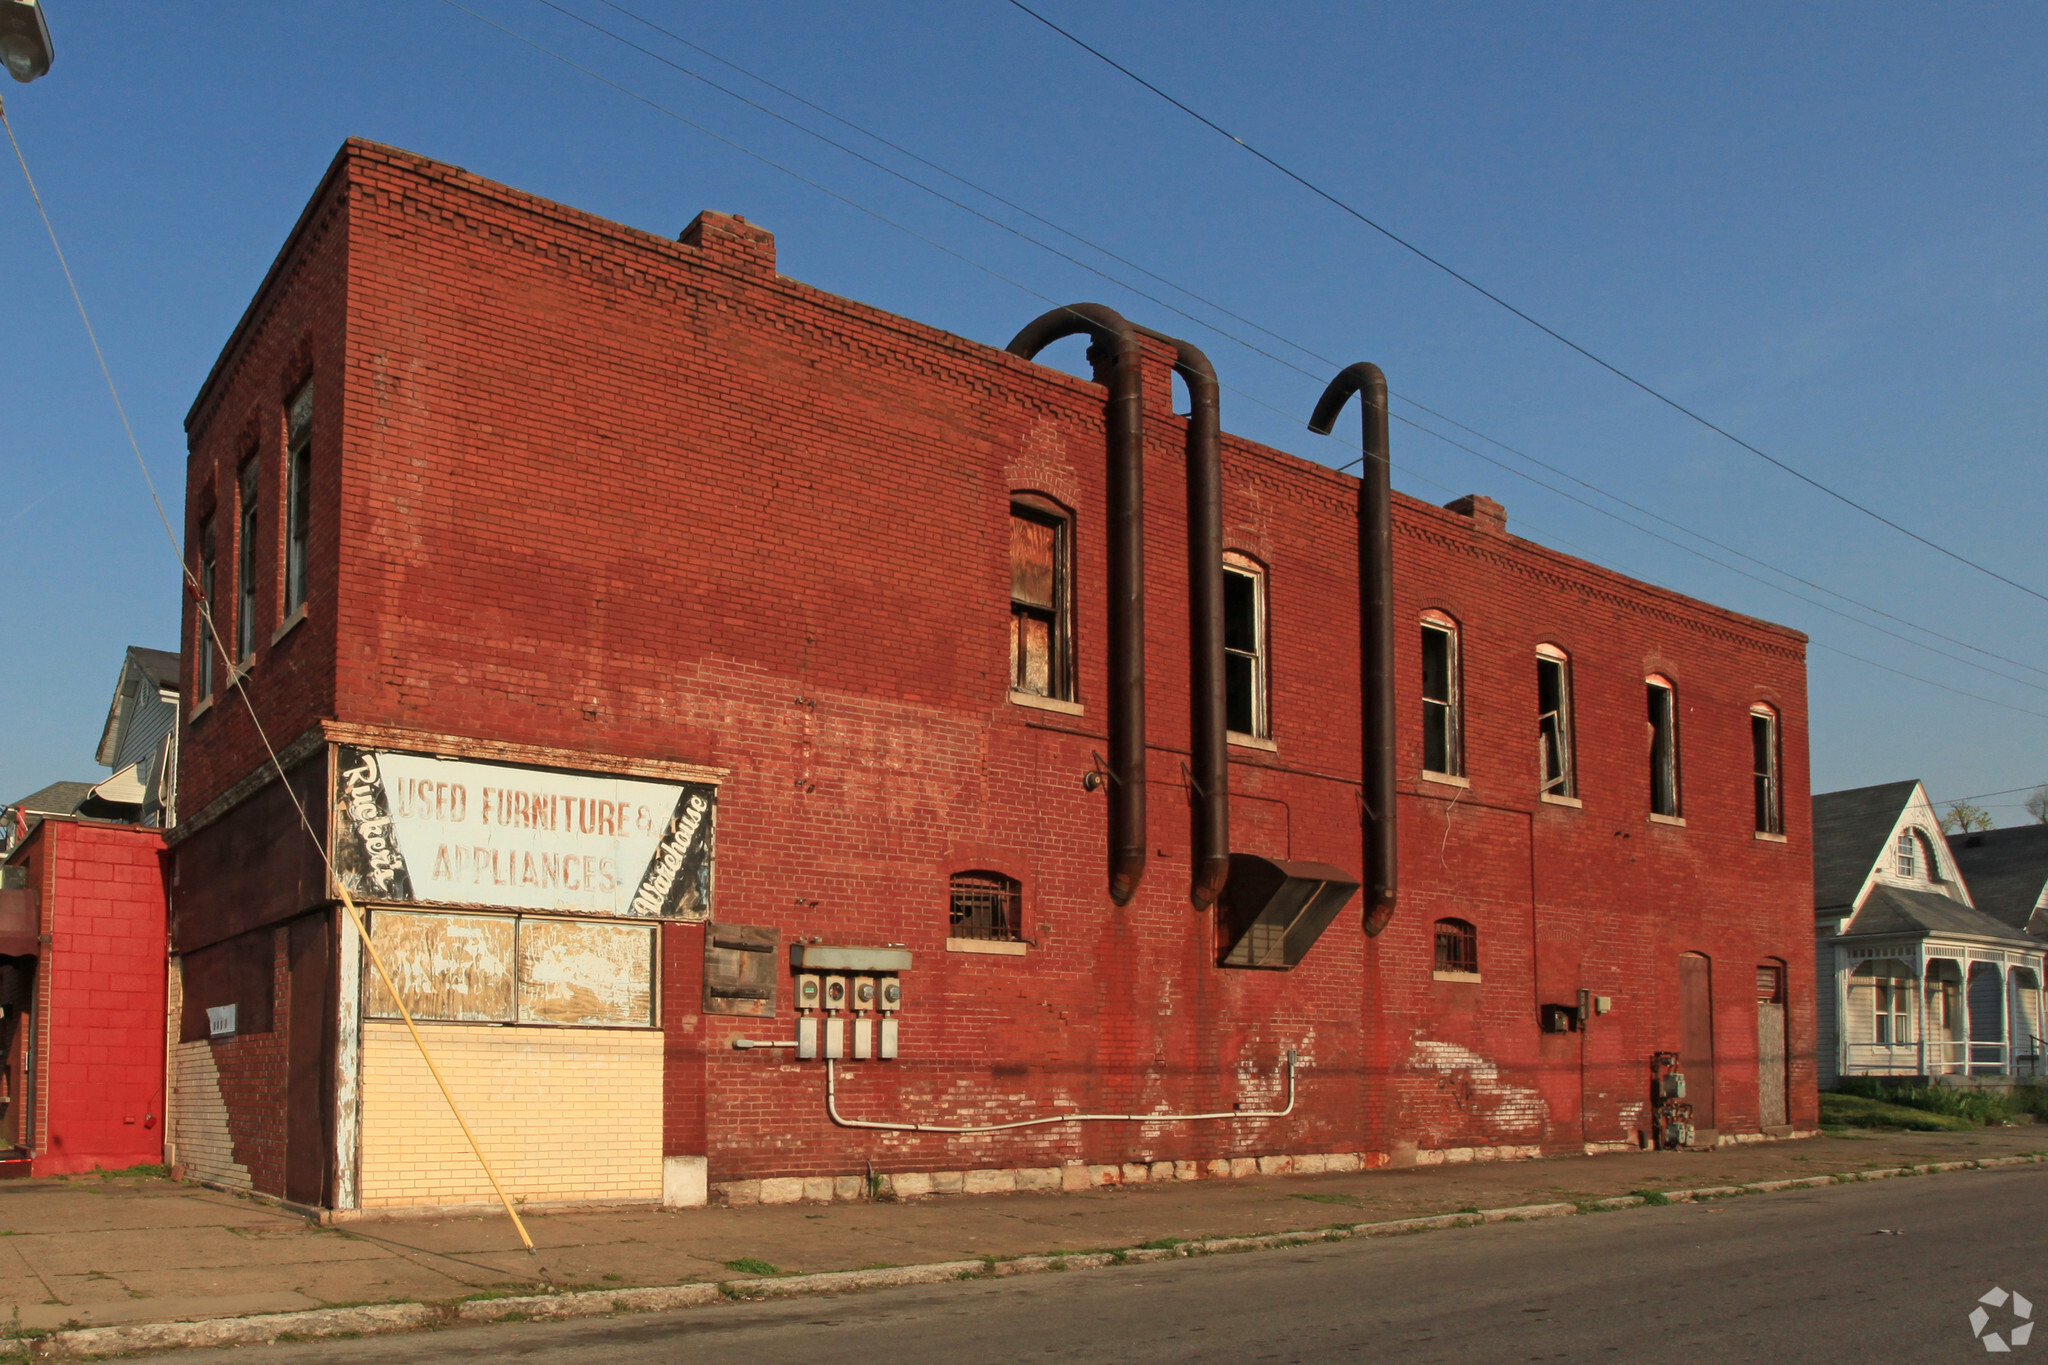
987 907
1442 750
1663 733
1041 632
1554 722
1457 948
1763 745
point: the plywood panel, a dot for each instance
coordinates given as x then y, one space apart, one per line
448 967
577 972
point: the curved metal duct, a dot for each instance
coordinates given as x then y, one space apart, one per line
1208 743
1375 629
1115 339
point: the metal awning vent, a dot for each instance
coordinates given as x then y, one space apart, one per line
1272 913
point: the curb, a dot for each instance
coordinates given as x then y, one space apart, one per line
85 1342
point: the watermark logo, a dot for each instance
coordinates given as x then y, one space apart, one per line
2020 1309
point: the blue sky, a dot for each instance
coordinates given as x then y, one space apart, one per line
1822 226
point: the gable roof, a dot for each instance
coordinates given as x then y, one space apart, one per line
1849 833
1896 910
160 666
2006 869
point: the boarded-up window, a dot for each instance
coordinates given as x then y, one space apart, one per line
514 969
1040 663
1663 731
585 972
449 967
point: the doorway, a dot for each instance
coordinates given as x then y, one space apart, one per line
1696 1037
1771 1106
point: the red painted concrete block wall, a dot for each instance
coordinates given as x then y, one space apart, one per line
588 488
100 996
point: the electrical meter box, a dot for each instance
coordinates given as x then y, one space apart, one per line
810 992
864 993
835 993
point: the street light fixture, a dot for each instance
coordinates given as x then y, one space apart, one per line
24 39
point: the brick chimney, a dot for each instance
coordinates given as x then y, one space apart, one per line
1487 515
731 235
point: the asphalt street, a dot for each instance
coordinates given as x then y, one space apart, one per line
1886 1271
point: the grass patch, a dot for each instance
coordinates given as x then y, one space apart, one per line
1656 1199
142 1171
1161 1244
1860 1111
749 1265
1980 1108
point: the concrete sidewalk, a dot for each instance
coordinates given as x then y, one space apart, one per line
90 1251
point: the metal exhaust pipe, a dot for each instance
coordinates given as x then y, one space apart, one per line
1111 334
1208 743
1375 629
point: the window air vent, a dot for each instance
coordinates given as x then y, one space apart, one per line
1272 913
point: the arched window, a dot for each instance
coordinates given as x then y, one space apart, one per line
1914 858
1442 746
1763 745
1457 948
1663 732
987 906
1555 765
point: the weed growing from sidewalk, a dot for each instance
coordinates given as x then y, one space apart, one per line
1161 1244
1656 1199
750 1265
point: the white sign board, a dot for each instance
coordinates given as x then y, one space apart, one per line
445 831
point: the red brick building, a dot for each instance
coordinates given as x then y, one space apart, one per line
82 943
544 548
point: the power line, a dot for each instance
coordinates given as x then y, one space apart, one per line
1540 326
1019 285
236 677
1210 326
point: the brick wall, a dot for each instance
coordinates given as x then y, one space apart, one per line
615 494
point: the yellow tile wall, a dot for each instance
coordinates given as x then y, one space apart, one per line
563 1114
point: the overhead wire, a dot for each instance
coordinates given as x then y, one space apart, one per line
1276 336
235 678
1046 298
1466 280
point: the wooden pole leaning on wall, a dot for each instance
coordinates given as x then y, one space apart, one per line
377 961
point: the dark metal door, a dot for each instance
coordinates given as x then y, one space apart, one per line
1696 1035
1770 1046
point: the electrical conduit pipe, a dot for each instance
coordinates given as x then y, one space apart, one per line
832 1109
